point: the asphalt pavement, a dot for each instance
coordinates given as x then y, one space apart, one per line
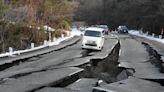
44 70
159 47
135 59
4 60
131 84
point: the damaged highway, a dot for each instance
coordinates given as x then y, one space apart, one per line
125 64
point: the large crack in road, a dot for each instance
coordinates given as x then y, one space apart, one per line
155 57
105 70
156 60
96 71
145 69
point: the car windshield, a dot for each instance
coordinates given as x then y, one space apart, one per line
122 27
103 27
92 33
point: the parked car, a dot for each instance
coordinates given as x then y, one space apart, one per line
93 38
122 29
105 27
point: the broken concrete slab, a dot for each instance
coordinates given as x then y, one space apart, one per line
37 80
134 55
84 84
148 73
143 70
131 84
136 65
51 89
132 51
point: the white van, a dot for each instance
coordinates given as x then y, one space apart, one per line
93 38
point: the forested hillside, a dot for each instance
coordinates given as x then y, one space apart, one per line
22 21
136 14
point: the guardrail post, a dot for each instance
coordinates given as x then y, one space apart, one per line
32 45
10 50
141 32
68 33
160 36
153 35
49 33
62 35
147 33
54 39
45 42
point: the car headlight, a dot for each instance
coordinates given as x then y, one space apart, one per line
98 42
85 41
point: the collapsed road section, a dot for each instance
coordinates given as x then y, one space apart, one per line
155 57
67 75
143 64
96 72
118 67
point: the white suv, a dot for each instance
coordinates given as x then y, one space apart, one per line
93 38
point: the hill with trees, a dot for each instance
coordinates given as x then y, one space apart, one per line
136 14
22 21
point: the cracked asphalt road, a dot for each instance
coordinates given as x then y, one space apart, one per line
39 73
46 69
136 59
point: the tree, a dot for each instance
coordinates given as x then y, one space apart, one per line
136 14
19 15
3 9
